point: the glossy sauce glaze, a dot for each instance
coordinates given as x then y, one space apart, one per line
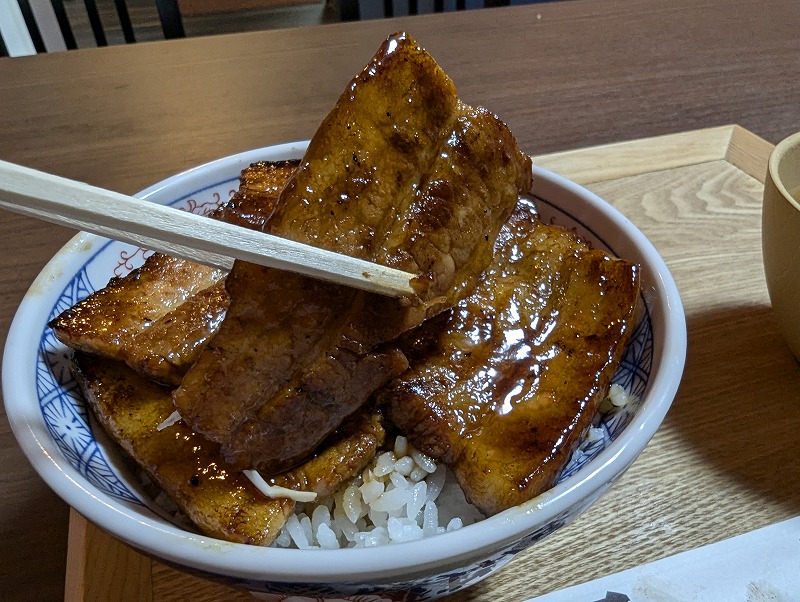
502 387
160 316
190 469
401 173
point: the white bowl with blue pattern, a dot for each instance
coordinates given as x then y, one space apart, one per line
71 453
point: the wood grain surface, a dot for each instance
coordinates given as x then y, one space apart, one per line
564 75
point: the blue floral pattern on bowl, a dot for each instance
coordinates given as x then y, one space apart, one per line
63 409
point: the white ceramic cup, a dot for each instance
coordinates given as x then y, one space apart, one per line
780 237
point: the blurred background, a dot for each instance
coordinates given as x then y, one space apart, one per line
56 25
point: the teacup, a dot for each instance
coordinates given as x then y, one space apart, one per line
780 237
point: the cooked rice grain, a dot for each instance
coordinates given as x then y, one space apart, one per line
401 496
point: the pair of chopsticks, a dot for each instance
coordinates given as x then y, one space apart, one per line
180 233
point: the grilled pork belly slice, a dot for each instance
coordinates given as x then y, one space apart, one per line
220 501
108 321
401 173
166 348
344 456
158 318
502 387
257 196
276 325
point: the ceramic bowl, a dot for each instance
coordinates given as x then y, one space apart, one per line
73 456
780 233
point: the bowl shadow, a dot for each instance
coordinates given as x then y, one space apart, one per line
739 401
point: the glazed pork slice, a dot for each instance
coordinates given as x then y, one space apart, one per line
274 326
255 200
108 320
343 457
159 316
502 387
220 501
165 349
401 173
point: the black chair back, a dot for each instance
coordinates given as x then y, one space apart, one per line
350 10
168 13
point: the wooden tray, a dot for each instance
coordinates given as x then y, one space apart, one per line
711 472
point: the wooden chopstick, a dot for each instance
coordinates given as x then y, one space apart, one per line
180 233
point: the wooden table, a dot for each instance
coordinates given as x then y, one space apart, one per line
564 76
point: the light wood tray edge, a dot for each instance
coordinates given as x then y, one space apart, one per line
100 567
732 143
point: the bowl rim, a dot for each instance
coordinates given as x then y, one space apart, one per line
776 158
172 544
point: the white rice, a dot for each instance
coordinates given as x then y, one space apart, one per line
618 397
403 495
